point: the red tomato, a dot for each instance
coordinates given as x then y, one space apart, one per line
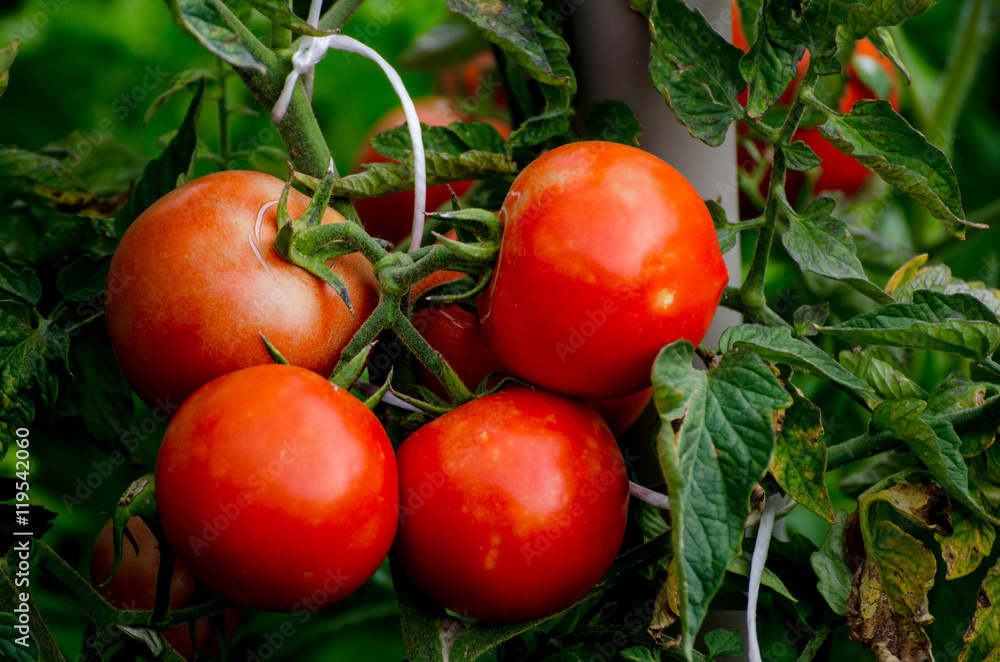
621 413
277 489
390 217
608 254
134 587
188 294
513 506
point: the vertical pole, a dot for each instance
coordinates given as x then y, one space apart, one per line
610 48
609 44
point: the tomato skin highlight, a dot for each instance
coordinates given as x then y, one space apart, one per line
134 587
513 506
608 254
187 297
277 489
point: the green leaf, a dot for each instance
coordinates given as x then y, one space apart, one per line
939 279
32 352
771 64
958 392
695 70
21 284
280 12
84 278
822 244
776 344
612 121
10 649
202 20
716 440
924 504
800 156
799 463
982 640
167 171
71 235
638 654
740 565
103 397
185 80
725 231
888 382
831 569
878 137
906 566
968 546
934 442
957 323
724 643
807 318
25 174
512 27
7 55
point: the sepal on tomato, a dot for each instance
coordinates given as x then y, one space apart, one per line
139 500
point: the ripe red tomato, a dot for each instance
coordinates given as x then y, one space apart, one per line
608 254
512 506
134 587
390 216
277 489
191 286
622 413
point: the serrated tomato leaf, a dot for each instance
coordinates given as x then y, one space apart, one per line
822 244
878 137
982 639
776 344
202 20
935 443
280 12
612 121
695 70
799 462
716 440
970 543
20 284
32 353
831 569
954 323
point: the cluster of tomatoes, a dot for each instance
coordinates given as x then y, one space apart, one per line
278 490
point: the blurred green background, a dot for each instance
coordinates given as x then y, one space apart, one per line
94 67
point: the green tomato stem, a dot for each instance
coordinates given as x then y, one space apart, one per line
47 647
818 637
299 130
973 34
432 360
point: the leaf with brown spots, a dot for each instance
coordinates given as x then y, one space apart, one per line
887 607
982 640
666 610
799 462
971 542
926 505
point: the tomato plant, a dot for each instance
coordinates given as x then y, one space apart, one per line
133 587
196 281
273 462
389 216
626 246
512 506
854 405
